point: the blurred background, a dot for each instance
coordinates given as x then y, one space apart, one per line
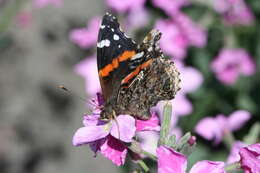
46 43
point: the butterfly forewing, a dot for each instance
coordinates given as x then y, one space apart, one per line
114 49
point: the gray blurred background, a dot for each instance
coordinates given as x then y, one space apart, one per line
37 120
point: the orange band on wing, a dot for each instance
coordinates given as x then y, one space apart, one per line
136 71
115 63
126 55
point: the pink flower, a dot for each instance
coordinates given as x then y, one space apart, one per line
214 128
234 153
43 3
170 161
230 63
234 11
178 34
173 41
125 5
137 18
24 19
195 34
191 78
108 137
86 37
88 70
250 158
169 6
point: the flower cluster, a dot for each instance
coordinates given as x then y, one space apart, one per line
182 36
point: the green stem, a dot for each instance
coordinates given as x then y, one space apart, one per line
143 165
165 126
232 167
228 139
151 156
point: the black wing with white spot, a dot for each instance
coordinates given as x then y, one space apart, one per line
112 41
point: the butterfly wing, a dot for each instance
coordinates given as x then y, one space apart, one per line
114 50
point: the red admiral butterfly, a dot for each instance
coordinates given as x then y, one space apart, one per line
133 77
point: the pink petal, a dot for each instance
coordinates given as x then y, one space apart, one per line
91 120
234 153
173 41
237 119
95 146
89 134
88 70
169 6
207 166
114 150
43 3
137 18
250 158
212 128
191 79
170 161
151 124
148 140
87 36
126 126
181 105
123 6
196 35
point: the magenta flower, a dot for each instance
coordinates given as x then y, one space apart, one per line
234 153
230 63
88 70
110 137
214 128
173 41
125 5
86 37
234 11
170 161
178 34
43 3
169 6
250 158
195 34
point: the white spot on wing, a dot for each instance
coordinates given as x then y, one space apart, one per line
136 56
112 29
103 43
116 37
119 46
150 49
102 26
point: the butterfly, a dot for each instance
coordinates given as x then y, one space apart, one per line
133 77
